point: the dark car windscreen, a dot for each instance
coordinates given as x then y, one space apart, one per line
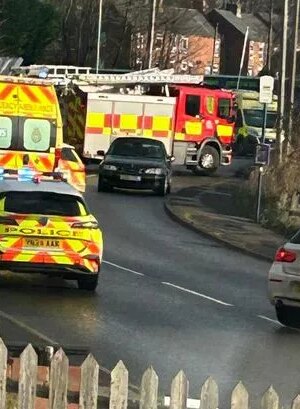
143 149
44 203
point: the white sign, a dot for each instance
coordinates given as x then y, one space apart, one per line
266 89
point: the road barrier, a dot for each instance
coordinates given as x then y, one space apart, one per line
51 387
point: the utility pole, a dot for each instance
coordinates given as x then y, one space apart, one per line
243 58
270 36
152 33
99 36
282 79
214 49
293 76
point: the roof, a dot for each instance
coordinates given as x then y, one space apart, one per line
186 22
13 185
177 20
258 28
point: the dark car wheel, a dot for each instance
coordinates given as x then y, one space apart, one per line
88 283
164 188
103 187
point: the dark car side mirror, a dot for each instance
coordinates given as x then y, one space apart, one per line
101 153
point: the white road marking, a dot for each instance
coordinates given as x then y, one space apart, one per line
123 268
91 176
263 317
198 294
190 404
27 328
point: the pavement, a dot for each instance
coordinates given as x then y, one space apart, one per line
168 297
213 210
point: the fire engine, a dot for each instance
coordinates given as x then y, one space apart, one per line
194 122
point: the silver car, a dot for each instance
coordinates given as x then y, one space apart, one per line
284 282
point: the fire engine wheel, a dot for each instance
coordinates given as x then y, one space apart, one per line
208 161
88 283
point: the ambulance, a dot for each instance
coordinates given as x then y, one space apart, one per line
31 125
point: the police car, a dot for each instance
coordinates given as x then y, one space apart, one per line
46 227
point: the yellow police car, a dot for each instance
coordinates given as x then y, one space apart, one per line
46 227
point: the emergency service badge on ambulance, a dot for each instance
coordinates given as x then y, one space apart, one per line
36 136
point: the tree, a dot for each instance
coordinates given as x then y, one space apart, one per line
28 26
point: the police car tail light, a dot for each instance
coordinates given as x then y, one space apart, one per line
85 225
8 221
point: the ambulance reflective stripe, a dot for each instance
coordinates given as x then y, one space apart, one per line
8 160
6 90
35 99
42 162
8 99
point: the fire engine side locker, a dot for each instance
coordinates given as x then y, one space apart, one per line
110 116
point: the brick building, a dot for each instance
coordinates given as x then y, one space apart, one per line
184 40
232 26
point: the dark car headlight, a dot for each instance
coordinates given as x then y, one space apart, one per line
155 171
112 168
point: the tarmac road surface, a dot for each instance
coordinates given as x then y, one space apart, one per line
168 298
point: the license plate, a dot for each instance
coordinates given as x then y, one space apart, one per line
42 243
131 178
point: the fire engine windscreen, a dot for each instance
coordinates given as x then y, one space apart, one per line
146 149
43 203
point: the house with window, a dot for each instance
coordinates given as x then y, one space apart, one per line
184 40
232 26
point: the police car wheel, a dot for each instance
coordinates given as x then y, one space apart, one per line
88 283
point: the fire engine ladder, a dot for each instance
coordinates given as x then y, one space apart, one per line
62 75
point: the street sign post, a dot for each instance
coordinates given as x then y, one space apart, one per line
266 89
262 155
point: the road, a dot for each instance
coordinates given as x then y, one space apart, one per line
168 298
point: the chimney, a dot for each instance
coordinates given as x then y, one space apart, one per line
236 8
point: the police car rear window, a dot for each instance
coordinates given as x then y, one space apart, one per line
44 203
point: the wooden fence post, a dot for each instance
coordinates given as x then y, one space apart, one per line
239 397
149 390
89 384
28 378
270 399
296 402
119 387
59 374
3 369
209 396
179 391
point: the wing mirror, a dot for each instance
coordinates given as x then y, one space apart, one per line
171 158
101 154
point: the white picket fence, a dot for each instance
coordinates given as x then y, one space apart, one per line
89 398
